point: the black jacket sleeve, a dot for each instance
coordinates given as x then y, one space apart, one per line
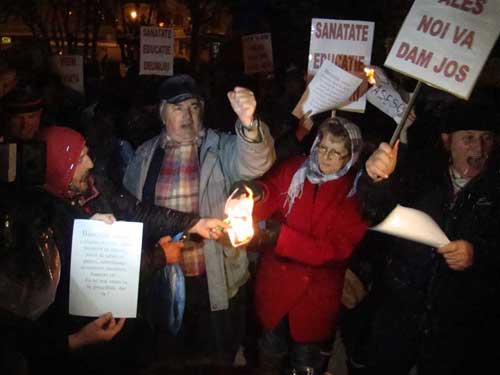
158 221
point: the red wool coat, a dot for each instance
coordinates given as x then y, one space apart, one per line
303 275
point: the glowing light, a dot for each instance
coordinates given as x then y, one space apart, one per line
161 24
239 217
133 14
370 75
70 12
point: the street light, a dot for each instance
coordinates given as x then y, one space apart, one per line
134 14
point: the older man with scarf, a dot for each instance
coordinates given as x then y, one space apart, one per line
190 168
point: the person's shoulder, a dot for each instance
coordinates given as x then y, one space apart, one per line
294 161
290 165
147 145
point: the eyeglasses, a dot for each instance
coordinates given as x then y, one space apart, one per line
331 154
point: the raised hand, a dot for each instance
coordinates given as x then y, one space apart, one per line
243 102
382 162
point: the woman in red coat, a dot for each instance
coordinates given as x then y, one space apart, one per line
299 282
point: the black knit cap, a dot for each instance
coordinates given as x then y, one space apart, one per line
21 100
178 88
470 115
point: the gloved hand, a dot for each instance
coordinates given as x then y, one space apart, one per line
266 237
241 187
171 250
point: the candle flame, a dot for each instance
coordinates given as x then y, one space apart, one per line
239 217
370 75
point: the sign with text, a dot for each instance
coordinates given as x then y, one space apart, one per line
446 42
105 263
385 97
70 68
157 51
347 44
258 53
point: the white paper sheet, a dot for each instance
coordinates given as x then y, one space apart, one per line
330 88
105 263
413 225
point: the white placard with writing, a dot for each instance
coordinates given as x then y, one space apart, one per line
330 88
385 97
345 43
446 42
413 225
258 53
157 51
105 263
70 68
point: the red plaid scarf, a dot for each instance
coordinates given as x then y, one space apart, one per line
178 183
177 187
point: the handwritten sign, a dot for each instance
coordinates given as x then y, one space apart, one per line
157 54
258 53
330 88
70 68
385 97
347 44
105 263
446 42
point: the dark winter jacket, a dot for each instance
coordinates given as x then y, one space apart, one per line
419 308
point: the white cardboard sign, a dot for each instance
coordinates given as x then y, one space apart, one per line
258 53
445 43
347 44
70 68
105 264
157 51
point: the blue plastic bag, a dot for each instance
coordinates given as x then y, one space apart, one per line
170 296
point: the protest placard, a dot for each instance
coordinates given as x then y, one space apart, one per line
258 53
330 88
70 68
348 44
445 43
385 97
105 263
157 51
